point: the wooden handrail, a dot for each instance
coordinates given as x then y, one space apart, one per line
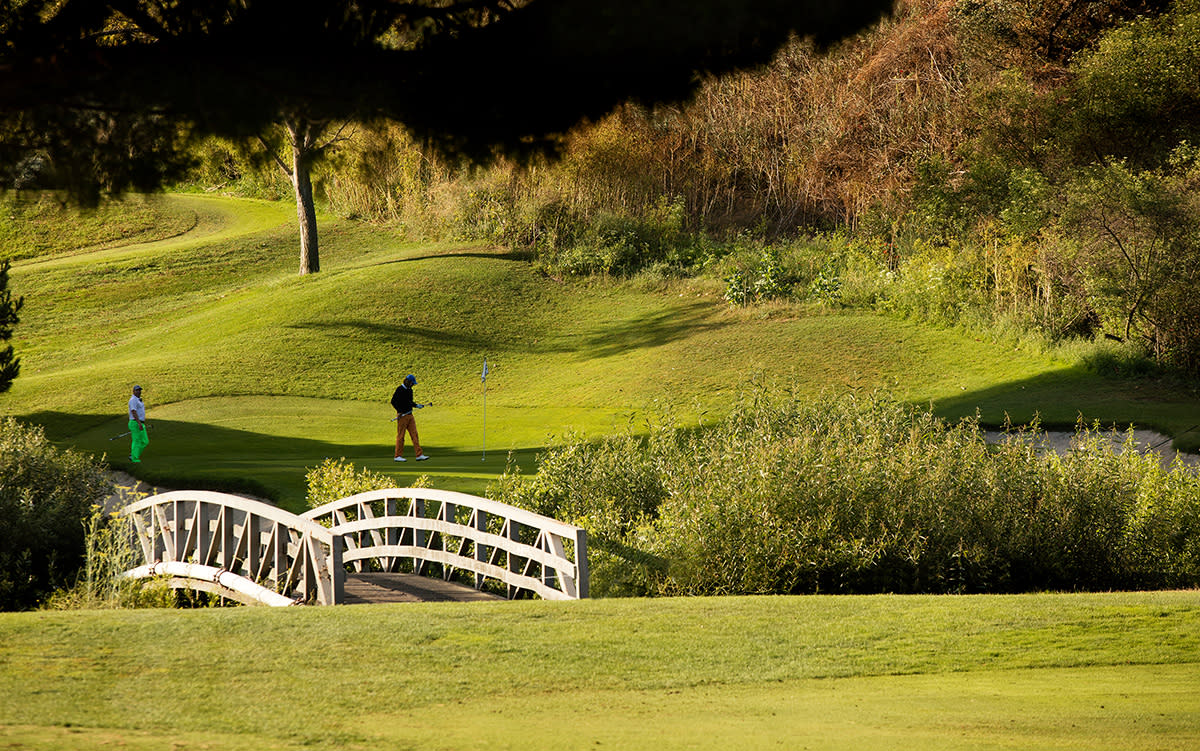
303 558
518 548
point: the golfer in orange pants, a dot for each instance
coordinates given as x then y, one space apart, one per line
402 402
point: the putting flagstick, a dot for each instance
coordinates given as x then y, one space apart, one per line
483 378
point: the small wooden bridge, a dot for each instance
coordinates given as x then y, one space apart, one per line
383 545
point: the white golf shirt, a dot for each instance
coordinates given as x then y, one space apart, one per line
137 406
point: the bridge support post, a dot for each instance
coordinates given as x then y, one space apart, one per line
420 536
449 515
581 564
481 552
514 534
337 572
392 536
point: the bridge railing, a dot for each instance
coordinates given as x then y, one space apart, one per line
252 551
420 529
188 533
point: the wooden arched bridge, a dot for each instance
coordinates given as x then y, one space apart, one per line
253 552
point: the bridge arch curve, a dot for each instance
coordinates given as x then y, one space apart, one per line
257 553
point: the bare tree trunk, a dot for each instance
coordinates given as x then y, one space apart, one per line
303 135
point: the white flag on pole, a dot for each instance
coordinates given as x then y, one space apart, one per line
483 379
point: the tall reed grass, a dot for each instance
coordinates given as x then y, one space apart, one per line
111 550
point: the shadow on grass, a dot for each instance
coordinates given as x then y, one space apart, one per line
205 457
392 333
1061 399
197 456
499 254
612 338
651 330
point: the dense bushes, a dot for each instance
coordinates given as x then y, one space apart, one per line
1087 168
861 494
46 496
334 479
111 552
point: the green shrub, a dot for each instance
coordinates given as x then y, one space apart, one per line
1138 248
610 487
859 494
620 243
757 272
1135 94
935 283
241 168
482 212
46 496
334 479
1119 359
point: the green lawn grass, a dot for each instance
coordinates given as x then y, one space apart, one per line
1029 672
253 373
41 225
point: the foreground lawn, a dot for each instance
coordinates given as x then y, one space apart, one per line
1028 672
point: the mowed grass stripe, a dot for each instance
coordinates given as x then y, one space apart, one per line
1085 708
1030 671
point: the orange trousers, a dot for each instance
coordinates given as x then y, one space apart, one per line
407 424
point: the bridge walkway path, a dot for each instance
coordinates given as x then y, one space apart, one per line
375 587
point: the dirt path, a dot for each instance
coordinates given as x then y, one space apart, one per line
129 489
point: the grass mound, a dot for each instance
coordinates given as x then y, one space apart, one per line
43 224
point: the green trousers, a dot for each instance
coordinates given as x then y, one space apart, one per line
138 440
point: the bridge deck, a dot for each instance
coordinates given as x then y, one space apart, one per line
366 588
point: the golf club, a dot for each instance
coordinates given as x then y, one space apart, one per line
127 432
418 406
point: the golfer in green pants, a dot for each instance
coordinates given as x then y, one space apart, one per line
137 426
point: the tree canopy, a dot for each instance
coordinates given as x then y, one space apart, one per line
94 87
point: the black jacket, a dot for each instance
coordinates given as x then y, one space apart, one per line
402 399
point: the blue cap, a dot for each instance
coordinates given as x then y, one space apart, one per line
410 378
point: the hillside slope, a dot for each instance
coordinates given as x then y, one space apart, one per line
253 374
